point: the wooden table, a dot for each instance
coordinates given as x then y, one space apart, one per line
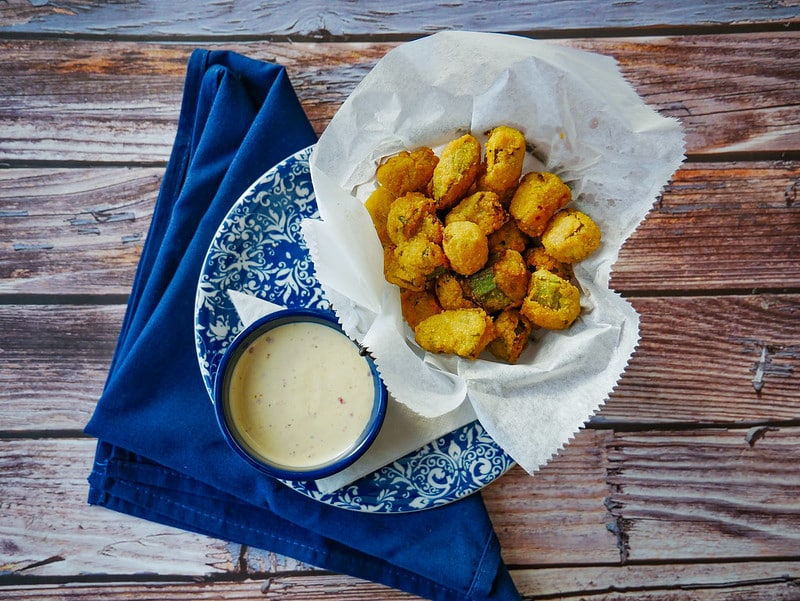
685 486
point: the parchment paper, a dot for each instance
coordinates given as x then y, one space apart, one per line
585 123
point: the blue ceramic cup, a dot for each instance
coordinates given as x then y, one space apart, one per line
296 398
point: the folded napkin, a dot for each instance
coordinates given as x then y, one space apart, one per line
160 455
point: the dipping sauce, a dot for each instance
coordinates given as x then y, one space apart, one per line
300 395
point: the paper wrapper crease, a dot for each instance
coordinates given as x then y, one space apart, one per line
585 123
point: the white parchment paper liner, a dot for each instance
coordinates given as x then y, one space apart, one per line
585 123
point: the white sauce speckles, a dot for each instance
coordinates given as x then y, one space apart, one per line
301 395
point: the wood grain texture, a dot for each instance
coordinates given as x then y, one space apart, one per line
49 529
717 227
756 581
607 499
702 371
322 20
300 587
118 102
683 486
53 221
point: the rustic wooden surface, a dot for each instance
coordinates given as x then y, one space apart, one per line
684 486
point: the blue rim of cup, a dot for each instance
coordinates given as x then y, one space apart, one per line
234 350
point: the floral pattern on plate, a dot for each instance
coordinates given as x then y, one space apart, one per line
259 250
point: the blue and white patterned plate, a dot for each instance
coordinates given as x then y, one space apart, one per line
259 250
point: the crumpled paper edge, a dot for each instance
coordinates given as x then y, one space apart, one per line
532 462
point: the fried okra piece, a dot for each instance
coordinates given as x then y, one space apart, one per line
465 246
464 332
481 208
450 292
537 198
414 263
571 236
413 215
509 236
505 154
407 171
418 305
513 334
456 171
502 283
552 302
378 205
538 258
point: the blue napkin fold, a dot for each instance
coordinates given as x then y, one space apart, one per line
160 455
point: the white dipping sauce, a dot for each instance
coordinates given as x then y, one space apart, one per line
301 395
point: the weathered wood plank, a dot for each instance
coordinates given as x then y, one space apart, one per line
698 581
699 371
756 582
608 498
49 529
712 359
558 516
296 587
122 98
323 20
705 493
718 226
74 231
53 375
731 93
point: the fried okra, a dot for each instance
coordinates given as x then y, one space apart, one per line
513 333
413 215
407 171
538 196
508 237
505 154
378 205
538 258
571 236
552 302
464 332
502 283
418 305
456 171
451 293
413 263
481 208
465 246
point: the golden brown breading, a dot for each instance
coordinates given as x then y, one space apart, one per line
378 205
508 237
412 264
571 236
505 154
450 292
481 208
456 171
464 332
511 275
465 246
418 305
513 334
552 302
407 171
538 197
538 258
411 215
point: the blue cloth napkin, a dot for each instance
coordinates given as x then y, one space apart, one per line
160 455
